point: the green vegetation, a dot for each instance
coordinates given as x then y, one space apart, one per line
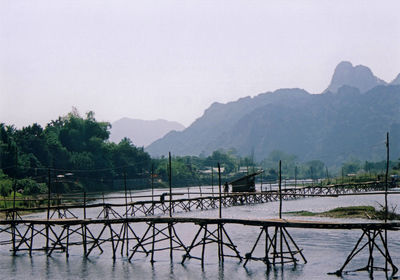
368 212
77 152
74 153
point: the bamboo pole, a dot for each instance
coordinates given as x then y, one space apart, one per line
84 225
280 189
170 207
48 207
386 198
13 211
220 191
170 184
152 188
212 179
126 195
15 182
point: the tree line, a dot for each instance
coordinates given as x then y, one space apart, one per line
73 153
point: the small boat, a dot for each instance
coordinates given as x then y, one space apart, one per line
245 183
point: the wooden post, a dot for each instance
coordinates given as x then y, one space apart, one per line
280 189
220 192
386 176
84 205
212 179
153 242
342 175
152 188
13 211
312 176
59 202
170 184
221 241
84 225
327 174
48 193
125 225
386 199
126 196
204 245
295 176
15 182
105 207
48 207
170 208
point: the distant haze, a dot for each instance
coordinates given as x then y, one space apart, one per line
142 132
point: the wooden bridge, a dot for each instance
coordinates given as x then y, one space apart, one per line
158 205
148 236
133 228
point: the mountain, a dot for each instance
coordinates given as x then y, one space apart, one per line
333 127
396 81
142 132
359 76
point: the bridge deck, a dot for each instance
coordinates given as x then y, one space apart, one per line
250 222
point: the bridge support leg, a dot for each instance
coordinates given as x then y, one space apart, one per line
23 239
84 239
371 239
216 235
156 235
278 248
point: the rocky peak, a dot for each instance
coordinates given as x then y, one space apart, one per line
359 76
396 81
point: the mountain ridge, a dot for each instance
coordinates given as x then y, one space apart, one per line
142 132
332 126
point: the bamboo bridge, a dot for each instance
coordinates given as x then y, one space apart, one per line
159 205
139 228
150 235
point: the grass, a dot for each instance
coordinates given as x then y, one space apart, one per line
366 212
22 201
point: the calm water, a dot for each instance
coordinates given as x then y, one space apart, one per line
325 250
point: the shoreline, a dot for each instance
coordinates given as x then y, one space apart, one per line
349 212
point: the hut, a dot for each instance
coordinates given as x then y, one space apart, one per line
245 183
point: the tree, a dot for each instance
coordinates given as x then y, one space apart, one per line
351 167
315 169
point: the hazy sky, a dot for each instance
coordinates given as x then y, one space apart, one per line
173 59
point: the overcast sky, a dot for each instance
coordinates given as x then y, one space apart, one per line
173 59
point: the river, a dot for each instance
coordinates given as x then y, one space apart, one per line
325 250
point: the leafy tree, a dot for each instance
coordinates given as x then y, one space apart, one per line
351 167
226 160
315 169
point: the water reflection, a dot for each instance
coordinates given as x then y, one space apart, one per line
325 251
58 267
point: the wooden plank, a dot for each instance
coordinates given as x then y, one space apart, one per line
249 222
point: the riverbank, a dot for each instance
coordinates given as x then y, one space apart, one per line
351 212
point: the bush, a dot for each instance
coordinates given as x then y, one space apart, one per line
30 186
5 187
